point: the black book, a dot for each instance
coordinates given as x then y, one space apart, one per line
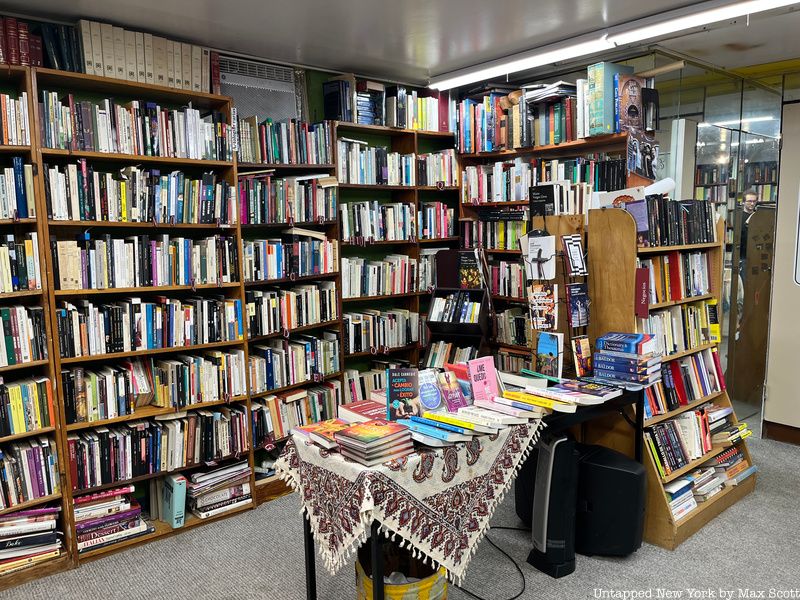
542 200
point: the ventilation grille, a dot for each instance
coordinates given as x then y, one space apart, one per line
258 88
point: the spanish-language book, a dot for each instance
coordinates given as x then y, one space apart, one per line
528 412
532 398
322 433
451 391
430 396
483 377
549 354
469 273
445 426
642 344
371 434
402 393
489 417
582 355
418 427
362 410
457 421
578 303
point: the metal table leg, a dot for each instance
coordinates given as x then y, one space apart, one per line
639 439
311 565
377 562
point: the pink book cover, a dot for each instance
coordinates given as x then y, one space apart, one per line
483 377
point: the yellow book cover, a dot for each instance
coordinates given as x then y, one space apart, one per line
33 281
712 315
501 234
123 199
449 419
33 393
17 412
531 399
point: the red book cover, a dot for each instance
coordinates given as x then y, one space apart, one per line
551 125
675 279
24 44
642 290
677 379
568 109
73 464
497 128
3 45
35 42
718 369
215 76
444 111
12 40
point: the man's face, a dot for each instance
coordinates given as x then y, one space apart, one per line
749 203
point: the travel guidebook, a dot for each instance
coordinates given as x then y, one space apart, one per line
402 394
549 349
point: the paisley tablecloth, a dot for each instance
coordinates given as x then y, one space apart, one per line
437 501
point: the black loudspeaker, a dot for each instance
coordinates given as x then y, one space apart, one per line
553 522
610 502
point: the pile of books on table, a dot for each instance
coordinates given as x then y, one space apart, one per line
219 491
27 538
626 358
107 518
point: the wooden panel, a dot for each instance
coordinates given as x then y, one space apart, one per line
612 261
270 489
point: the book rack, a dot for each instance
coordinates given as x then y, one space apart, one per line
612 262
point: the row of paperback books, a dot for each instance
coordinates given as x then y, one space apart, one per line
306 253
514 327
78 192
700 485
394 274
290 142
374 221
435 220
267 200
28 470
274 311
438 168
680 328
380 329
112 51
276 415
507 279
136 128
359 163
20 269
186 380
24 335
29 537
501 231
442 352
511 362
159 445
16 189
132 324
677 275
676 442
15 120
280 363
685 381
459 307
26 405
661 221
106 262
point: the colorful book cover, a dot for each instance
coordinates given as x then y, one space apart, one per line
323 429
548 354
578 302
483 377
632 343
451 391
370 432
630 101
430 396
582 355
402 393
542 300
469 273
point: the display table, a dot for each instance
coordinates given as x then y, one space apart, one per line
437 501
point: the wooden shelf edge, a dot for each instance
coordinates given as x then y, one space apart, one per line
688 300
26 434
31 503
680 248
715 451
151 352
685 353
37 571
681 409
294 386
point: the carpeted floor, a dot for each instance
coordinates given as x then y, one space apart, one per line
755 544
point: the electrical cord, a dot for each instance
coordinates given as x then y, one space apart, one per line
508 556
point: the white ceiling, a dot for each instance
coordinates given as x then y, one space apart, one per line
408 40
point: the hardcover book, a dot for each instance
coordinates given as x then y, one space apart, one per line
402 393
370 433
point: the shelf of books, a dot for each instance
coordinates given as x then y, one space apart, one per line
398 207
669 285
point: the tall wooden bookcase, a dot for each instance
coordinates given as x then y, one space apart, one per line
613 255
404 141
557 225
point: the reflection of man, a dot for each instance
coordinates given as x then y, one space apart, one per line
749 204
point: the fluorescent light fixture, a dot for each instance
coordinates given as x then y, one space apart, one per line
586 45
698 19
737 121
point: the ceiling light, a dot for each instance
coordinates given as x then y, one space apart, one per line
589 44
736 121
697 19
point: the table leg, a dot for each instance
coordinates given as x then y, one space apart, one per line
311 565
377 561
639 440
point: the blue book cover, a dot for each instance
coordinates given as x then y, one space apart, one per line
624 364
19 184
440 425
173 505
633 343
435 432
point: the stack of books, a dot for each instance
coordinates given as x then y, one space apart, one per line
627 358
374 442
370 102
680 497
108 517
219 491
27 538
323 433
722 428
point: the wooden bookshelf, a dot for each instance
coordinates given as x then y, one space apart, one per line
404 141
613 255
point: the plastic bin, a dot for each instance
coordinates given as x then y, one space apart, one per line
432 585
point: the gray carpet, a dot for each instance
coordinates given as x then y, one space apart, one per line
259 554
